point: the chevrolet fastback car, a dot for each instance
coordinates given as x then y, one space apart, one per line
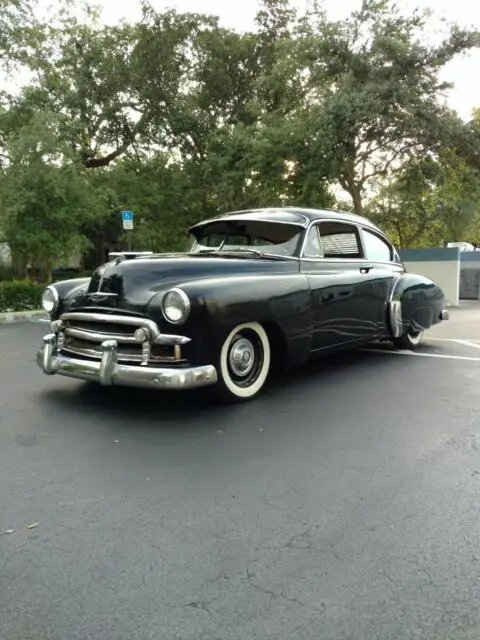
257 290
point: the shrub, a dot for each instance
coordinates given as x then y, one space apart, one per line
6 272
20 295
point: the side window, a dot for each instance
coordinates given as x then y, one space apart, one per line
313 247
339 240
376 248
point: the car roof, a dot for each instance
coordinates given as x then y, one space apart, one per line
287 215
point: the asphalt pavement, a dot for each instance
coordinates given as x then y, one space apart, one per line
343 504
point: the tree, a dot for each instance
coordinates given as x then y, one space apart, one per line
15 18
43 201
431 202
379 99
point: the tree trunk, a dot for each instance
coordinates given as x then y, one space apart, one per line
356 194
19 263
353 188
47 274
401 237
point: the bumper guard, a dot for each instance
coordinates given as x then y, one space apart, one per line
108 371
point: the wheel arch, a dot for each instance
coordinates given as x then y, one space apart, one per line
414 301
278 343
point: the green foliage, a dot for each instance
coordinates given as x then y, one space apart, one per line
432 202
178 119
20 296
15 18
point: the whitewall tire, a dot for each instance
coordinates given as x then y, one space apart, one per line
409 340
244 363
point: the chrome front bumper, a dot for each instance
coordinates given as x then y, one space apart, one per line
108 371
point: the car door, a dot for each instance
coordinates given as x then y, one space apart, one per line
380 267
343 298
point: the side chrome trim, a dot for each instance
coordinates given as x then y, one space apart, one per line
109 372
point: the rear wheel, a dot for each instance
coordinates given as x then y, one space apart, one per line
409 340
244 363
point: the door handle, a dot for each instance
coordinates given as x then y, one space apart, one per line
366 268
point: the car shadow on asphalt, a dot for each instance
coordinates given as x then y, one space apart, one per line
190 406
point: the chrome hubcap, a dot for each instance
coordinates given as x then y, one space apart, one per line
242 357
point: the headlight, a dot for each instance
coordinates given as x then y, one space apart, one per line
176 306
50 299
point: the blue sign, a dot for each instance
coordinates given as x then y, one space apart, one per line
127 216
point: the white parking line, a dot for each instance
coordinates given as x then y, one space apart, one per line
469 343
402 352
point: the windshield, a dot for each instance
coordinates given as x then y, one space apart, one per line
272 238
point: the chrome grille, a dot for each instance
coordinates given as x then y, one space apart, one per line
83 334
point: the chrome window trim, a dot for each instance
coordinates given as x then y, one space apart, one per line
382 237
359 228
317 222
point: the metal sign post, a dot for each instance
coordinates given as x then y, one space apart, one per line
127 221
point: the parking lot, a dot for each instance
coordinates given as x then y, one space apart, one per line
341 505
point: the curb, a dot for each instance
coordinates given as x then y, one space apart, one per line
22 316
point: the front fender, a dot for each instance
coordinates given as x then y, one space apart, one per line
415 301
218 305
68 290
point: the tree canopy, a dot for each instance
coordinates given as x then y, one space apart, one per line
178 118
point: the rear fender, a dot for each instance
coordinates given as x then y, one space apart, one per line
414 301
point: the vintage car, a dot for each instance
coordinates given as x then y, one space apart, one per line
257 290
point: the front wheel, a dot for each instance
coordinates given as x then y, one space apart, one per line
244 363
409 340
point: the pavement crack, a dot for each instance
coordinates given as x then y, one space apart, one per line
219 577
295 541
279 595
269 501
201 605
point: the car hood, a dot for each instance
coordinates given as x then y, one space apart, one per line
130 284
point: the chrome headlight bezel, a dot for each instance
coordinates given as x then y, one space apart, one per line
50 299
183 303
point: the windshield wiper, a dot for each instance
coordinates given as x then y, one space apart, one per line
244 250
256 252
225 252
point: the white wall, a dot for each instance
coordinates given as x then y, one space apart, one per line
470 275
445 274
440 265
